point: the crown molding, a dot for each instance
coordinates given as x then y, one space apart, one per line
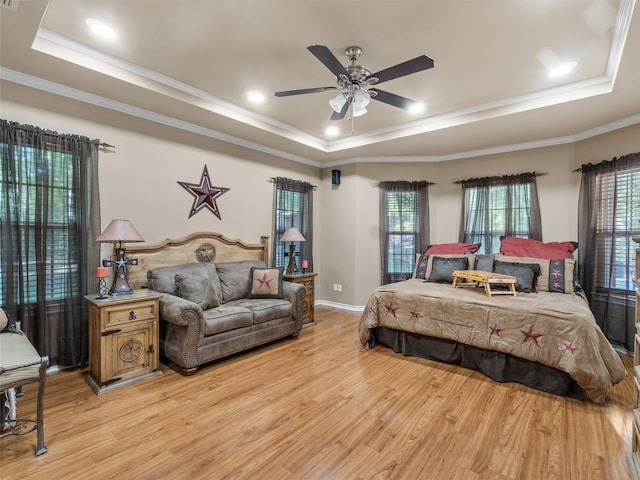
89 98
85 97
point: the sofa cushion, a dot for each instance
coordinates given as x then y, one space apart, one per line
197 289
265 282
225 318
163 279
265 309
234 278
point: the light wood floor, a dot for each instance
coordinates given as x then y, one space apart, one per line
321 407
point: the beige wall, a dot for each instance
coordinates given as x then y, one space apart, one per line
357 266
139 182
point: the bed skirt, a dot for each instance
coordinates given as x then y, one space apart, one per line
498 366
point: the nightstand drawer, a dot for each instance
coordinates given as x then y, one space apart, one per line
126 313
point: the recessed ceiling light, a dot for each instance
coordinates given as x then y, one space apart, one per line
562 69
255 96
417 107
332 131
101 29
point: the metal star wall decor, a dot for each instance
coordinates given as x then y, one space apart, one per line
205 194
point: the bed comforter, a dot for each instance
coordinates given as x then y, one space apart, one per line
557 330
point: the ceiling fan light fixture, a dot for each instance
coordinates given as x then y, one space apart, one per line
361 98
358 111
338 102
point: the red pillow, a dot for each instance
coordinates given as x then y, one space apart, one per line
452 248
525 247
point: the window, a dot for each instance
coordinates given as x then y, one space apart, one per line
617 221
53 278
500 206
293 209
404 212
49 220
608 219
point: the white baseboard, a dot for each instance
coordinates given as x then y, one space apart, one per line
343 306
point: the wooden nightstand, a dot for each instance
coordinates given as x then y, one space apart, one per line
123 339
307 279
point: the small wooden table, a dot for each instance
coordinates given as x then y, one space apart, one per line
487 278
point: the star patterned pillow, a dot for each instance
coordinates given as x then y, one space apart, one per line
265 282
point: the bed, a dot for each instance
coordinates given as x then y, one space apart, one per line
547 338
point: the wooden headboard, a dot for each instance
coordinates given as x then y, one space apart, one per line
197 247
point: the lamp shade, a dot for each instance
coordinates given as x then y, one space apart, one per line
338 102
361 98
120 231
292 235
358 111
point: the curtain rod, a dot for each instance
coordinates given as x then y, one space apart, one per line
274 180
377 184
501 176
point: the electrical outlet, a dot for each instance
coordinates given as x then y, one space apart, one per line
335 287
339 287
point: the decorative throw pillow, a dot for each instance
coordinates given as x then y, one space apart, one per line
526 273
484 263
265 282
555 275
526 247
420 268
442 268
197 289
452 248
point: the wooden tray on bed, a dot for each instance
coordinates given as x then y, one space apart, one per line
477 277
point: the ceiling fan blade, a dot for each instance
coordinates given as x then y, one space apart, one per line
406 68
287 93
329 60
393 99
340 115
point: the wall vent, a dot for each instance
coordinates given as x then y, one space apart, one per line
10 4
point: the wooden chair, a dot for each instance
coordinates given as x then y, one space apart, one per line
21 364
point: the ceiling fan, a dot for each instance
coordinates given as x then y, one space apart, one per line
356 81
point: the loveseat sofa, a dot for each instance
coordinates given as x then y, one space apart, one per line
213 310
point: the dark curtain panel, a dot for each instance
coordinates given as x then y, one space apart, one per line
293 208
608 218
404 227
49 220
500 206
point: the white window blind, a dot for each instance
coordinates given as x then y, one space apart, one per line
618 219
56 170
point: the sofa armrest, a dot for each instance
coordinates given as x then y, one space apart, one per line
181 330
179 311
295 294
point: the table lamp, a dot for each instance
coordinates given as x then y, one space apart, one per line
119 231
292 235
